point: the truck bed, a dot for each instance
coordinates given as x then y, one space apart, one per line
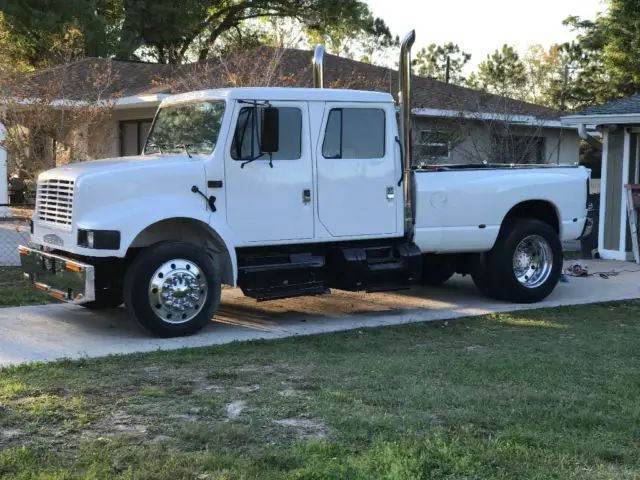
460 208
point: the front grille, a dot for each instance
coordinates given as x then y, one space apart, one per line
54 202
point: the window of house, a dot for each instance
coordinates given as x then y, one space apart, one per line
133 134
354 133
246 138
518 149
434 144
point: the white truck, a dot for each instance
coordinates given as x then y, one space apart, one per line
289 192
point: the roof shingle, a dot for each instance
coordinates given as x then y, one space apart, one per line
621 106
261 67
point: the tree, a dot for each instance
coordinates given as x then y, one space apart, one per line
202 23
442 62
545 71
354 34
603 63
502 73
376 41
12 62
36 25
621 53
588 80
168 31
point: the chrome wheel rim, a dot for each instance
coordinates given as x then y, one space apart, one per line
178 291
533 261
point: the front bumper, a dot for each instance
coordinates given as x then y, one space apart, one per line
60 277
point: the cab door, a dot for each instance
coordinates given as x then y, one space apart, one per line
269 199
358 192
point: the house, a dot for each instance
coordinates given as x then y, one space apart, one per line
451 124
618 123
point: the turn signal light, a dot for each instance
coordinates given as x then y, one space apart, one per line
73 266
57 294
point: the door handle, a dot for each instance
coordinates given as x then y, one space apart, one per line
306 196
391 193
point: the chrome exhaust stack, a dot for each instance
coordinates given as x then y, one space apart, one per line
404 97
318 67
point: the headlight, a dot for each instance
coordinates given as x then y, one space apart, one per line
99 239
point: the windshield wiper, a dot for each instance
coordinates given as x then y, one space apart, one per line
186 149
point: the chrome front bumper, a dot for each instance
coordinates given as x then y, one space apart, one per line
60 277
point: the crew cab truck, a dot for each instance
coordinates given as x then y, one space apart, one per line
288 192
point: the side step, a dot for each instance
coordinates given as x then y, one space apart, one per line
375 269
275 276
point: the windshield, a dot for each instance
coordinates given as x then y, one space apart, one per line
191 127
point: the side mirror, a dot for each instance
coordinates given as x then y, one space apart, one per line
270 129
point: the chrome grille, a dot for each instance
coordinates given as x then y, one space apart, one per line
54 202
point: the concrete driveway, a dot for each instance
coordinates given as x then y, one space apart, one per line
44 333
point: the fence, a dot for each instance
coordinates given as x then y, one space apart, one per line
14 231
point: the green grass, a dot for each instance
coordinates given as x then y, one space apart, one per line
542 394
15 291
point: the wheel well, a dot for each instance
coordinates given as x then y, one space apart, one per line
535 209
187 230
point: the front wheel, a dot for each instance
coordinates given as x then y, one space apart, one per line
524 266
172 289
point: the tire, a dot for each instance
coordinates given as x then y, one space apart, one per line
530 276
436 270
184 272
105 299
481 278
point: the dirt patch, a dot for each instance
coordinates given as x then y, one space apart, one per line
264 369
208 389
248 389
235 408
185 418
290 392
120 423
10 432
304 428
473 348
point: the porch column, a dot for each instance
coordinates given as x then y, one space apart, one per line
4 176
603 191
626 155
619 167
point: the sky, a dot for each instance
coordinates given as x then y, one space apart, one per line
482 26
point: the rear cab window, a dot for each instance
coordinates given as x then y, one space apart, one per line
354 133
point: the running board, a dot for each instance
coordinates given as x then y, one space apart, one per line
276 276
278 293
375 269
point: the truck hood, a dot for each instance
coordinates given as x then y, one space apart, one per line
76 171
118 183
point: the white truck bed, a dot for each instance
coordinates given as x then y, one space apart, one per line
461 208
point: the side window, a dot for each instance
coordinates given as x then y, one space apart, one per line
246 138
354 133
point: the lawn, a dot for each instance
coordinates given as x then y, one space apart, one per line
542 394
16 291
